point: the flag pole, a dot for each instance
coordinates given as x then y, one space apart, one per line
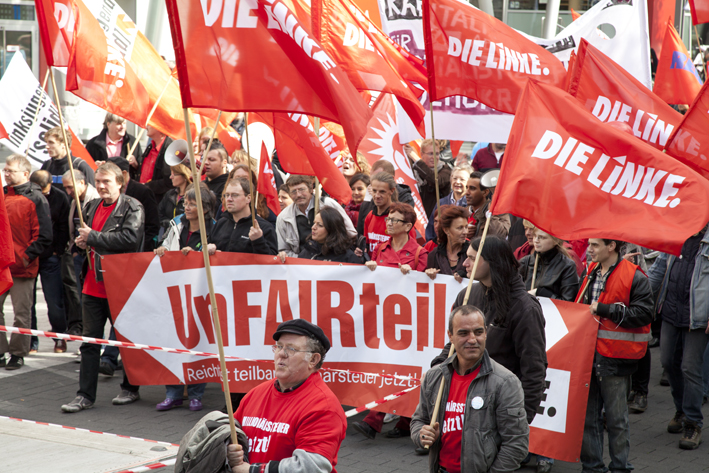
209 145
435 155
210 284
701 53
36 111
534 273
68 157
248 152
465 302
317 181
150 116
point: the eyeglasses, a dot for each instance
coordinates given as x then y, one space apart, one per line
233 196
393 220
11 171
287 351
190 204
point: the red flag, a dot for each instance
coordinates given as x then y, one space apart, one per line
700 11
689 141
473 54
3 132
7 249
658 13
574 14
259 56
455 147
611 94
56 29
382 142
78 150
99 73
370 59
295 139
267 181
676 79
577 178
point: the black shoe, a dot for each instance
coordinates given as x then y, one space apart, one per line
365 429
3 361
544 466
15 363
676 424
76 331
422 451
631 397
664 381
639 404
396 433
692 436
654 342
105 369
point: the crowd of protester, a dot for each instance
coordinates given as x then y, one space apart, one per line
135 201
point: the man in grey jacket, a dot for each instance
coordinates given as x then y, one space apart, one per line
484 423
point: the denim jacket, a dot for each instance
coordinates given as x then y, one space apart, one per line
659 275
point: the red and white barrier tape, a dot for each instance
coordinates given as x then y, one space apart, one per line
152 466
87 430
390 397
138 346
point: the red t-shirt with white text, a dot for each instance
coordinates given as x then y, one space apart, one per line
93 287
309 418
452 428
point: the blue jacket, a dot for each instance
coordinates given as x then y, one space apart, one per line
659 275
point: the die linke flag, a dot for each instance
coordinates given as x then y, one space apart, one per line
267 181
258 55
99 73
473 54
575 177
676 79
689 141
612 94
126 53
301 152
56 28
371 60
700 11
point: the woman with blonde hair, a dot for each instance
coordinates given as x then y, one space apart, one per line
352 166
555 275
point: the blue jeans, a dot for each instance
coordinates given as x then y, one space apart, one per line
609 393
50 273
682 353
194 391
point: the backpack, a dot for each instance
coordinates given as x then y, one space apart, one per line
203 448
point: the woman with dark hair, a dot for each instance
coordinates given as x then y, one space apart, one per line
358 184
514 318
172 203
329 240
556 276
449 255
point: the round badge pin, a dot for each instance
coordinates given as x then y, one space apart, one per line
477 402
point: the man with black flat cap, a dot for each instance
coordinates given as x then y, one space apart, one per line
294 422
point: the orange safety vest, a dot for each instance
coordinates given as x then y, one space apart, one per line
612 341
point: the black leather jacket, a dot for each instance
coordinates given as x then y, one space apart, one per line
123 231
556 275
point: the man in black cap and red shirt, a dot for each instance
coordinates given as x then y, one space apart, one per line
294 422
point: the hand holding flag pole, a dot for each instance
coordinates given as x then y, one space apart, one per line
437 406
212 298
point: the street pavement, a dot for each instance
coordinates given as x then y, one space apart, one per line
49 380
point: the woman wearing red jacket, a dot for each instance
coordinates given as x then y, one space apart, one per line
401 251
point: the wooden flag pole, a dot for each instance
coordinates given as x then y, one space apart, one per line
248 152
209 145
36 112
534 274
210 284
465 301
317 181
150 116
435 156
